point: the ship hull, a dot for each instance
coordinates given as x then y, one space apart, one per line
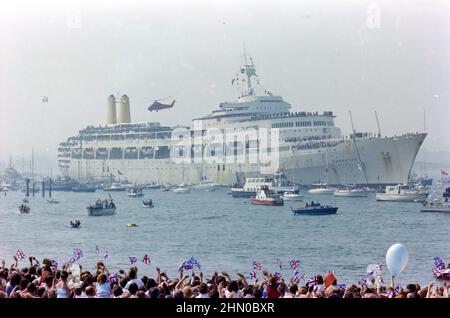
381 161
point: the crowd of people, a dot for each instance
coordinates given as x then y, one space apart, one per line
48 281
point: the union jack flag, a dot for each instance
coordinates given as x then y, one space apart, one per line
398 289
256 265
70 261
444 173
77 253
362 283
439 263
112 278
278 261
20 255
106 255
277 275
378 266
191 263
97 250
132 259
54 265
294 263
253 275
436 272
312 281
146 259
342 286
387 294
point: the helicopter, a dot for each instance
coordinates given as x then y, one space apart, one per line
158 106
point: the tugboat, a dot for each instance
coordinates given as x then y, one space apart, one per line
105 207
24 208
147 203
315 208
75 224
135 192
264 196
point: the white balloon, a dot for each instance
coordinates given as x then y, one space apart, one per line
397 258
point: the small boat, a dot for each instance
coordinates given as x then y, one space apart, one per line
322 189
207 185
75 224
351 193
264 196
115 187
105 207
315 208
135 192
182 189
53 201
433 204
147 204
24 208
401 193
132 225
292 196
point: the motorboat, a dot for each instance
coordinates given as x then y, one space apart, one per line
351 192
265 196
402 193
433 204
135 192
147 203
75 224
24 208
116 187
322 189
165 188
132 225
102 207
53 201
182 189
315 208
292 196
278 183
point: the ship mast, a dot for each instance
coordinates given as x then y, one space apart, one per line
249 70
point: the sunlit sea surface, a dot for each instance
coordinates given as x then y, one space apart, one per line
227 234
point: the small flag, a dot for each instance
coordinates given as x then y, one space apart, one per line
439 263
146 259
70 261
444 173
312 281
106 255
54 265
132 259
97 250
112 278
120 173
278 261
77 253
294 263
20 255
253 275
342 286
436 272
256 265
362 283
277 275
398 290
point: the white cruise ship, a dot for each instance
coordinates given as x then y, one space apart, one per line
253 136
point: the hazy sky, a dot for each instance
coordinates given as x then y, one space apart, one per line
389 56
